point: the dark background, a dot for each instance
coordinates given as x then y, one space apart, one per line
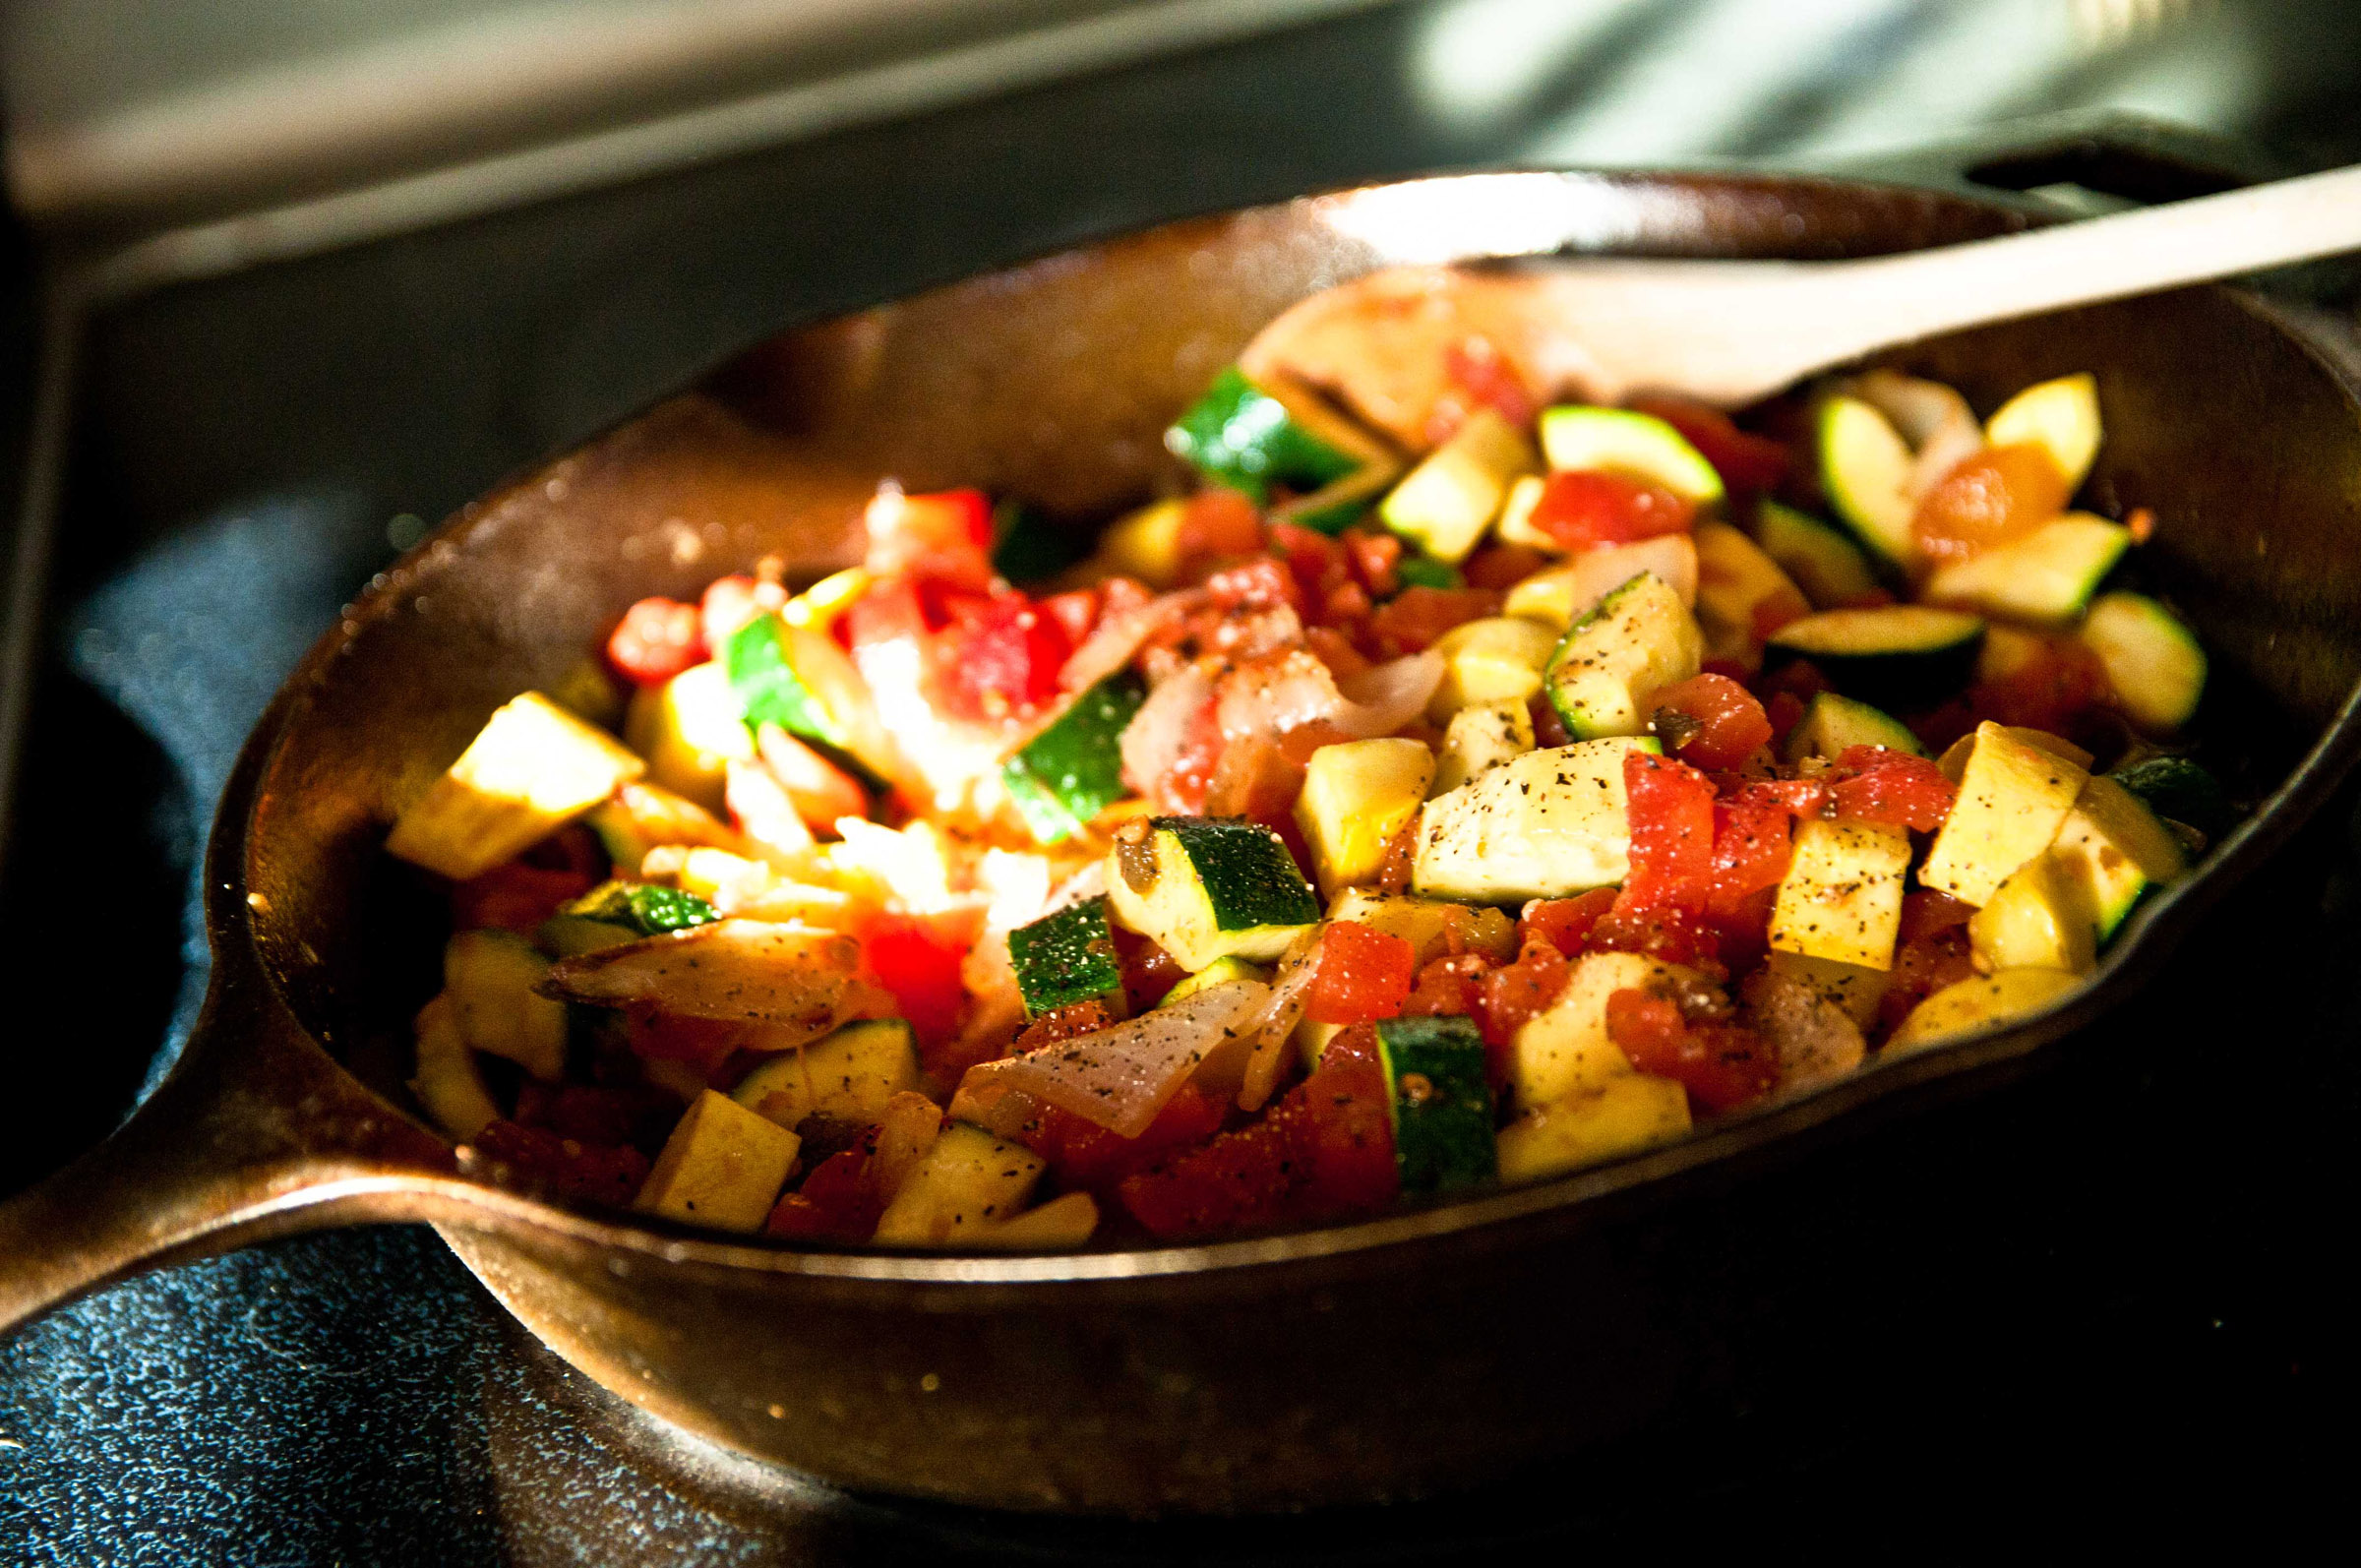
2113 1295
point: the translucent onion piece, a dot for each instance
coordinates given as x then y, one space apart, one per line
797 978
1120 1078
1159 733
1117 640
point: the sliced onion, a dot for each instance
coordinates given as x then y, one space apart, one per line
1933 418
1600 570
1272 1026
797 978
1159 733
1380 701
1120 1078
1116 640
1271 696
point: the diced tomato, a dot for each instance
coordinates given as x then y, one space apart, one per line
1344 1140
1219 523
839 1201
1798 797
1085 1156
1893 788
1565 923
1318 563
1751 849
1925 912
1501 565
1480 376
1336 650
998 655
1069 1022
1670 808
917 957
656 639
1149 972
1784 711
701 1042
729 603
1416 617
943 537
1592 506
1670 935
1401 856
513 896
1723 1065
1513 995
1374 556
1991 498
1922 966
1260 583
538 1161
1745 462
1549 726
1448 986
1725 723
597 1114
1740 928
1073 613
1239 1181
1359 974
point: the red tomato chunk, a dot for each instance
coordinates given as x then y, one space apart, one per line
1717 724
1588 507
657 639
1361 975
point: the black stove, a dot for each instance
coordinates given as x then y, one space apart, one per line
2146 1315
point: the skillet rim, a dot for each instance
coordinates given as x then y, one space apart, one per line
1577 1198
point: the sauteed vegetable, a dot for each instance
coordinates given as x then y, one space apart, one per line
1427 800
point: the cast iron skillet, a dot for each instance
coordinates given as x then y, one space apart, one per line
1379 1359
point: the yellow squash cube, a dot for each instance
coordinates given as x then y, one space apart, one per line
722 1167
1496 659
2037 919
1841 896
1449 500
1357 796
1631 1113
691 729
2014 795
530 771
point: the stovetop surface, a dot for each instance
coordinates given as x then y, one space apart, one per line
2115 1289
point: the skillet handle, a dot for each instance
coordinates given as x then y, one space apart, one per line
256 1133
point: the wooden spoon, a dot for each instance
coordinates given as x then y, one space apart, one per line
1732 333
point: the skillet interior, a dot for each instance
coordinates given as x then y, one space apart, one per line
1224 1387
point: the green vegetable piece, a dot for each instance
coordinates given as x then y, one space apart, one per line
1424 572
764 677
2175 787
1249 877
1029 547
645 908
1067 958
1441 1105
1241 436
1074 770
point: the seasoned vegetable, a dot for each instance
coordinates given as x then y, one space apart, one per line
1900 657
2155 665
1640 639
1073 769
1067 958
531 769
1545 826
1619 439
1439 1105
1208 889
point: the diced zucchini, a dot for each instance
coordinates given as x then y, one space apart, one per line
968 1183
1735 581
1566 1049
1206 888
1977 1003
1433 929
2048 576
1495 659
2034 920
1145 544
2014 797
1448 500
1073 769
1424 572
533 768
1865 466
1218 973
1560 595
1439 1103
1640 639
1900 657
691 729
449 1084
1479 738
1547 824
799 678
1030 546
2113 849
645 908
1833 722
1241 435
850 1074
1516 516
643 815
2176 788
1067 958
1854 988
1841 896
1624 440
1061 1225
722 1167
1825 565
1341 503
1357 796
1631 1113
2155 664
2059 416
489 976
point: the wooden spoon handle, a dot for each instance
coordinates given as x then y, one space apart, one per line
1891 299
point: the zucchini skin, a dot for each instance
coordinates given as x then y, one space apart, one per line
1067 958
1249 877
1074 770
1895 679
1439 1102
2176 788
768 686
1239 436
643 907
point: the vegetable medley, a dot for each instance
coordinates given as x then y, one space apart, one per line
1397 814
